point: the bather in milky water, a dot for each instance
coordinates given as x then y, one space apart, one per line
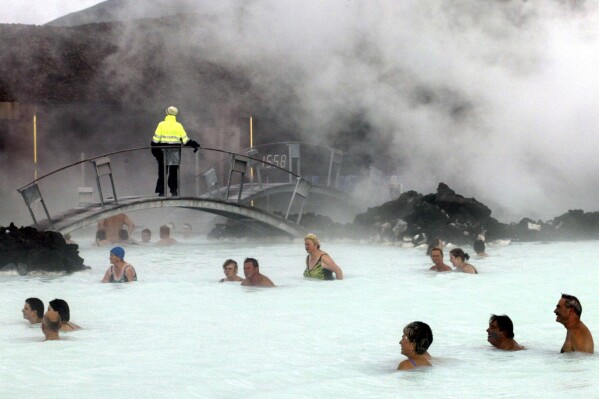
177 332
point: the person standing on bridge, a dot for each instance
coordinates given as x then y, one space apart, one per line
169 133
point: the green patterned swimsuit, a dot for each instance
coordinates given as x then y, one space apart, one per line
318 271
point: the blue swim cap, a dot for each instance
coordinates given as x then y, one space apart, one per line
119 252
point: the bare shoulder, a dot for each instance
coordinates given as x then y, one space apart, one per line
405 365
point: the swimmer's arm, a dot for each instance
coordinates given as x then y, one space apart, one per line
106 276
330 264
130 225
130 272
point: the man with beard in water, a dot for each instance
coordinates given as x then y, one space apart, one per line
500 333
578 336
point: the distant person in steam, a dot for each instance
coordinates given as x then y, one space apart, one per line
146 236
578 336
114 224
479 247
165 237
437 258
319 264
169 133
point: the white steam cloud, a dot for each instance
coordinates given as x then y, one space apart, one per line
498 99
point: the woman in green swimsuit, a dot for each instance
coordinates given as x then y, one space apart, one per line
319 264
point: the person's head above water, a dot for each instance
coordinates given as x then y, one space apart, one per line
51 324
459 253
165 231
314 239
479 246
62 307
172 111
231 263
420 335
146 235
33 310
119 252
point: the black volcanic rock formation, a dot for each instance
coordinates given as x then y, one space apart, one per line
32 250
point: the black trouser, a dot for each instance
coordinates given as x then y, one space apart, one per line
172 177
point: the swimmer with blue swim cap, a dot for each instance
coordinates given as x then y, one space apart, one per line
118 252
119 271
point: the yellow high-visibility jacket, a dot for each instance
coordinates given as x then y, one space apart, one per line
170 131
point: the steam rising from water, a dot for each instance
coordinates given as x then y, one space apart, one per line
496 98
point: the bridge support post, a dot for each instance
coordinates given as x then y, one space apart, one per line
294 153
254 165
211 180
335 159
302 189
31 194
102 168
239 165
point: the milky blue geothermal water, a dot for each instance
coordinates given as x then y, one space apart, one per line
177 333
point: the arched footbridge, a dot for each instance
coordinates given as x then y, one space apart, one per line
233 200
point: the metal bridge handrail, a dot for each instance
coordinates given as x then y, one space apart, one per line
147 148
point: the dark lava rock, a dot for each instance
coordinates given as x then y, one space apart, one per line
32 250
445 214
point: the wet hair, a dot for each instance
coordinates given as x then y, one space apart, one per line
573 303
313 238
123 235
146 231
52 325
62 307
459 253
419 333
504 323
436 249
100 235
165 230
252 261
479 246
228 262
37 305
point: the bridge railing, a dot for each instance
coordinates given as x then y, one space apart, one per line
128 172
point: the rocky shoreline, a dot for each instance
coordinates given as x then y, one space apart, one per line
28 250
418 218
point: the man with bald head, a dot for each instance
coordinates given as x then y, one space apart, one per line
51 325
578 336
